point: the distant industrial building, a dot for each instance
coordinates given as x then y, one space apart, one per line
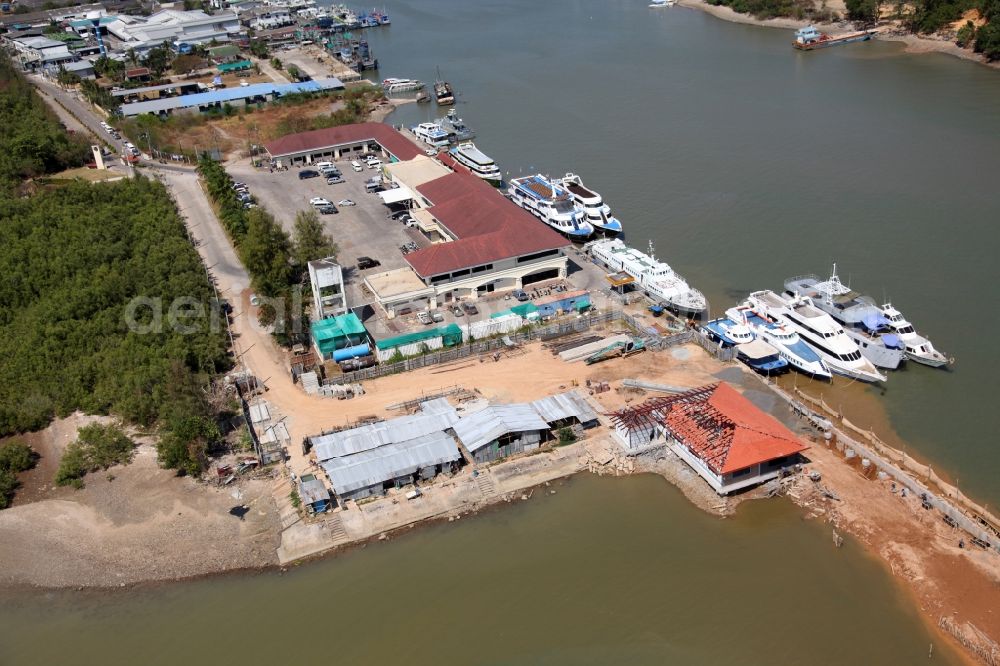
171 27
724 437
41 52
256 93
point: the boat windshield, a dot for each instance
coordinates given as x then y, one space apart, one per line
562 206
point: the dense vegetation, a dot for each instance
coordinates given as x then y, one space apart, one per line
96 447
14 457
276 262
91 250
33 141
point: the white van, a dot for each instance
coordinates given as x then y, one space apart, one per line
356 165
374 163
323 165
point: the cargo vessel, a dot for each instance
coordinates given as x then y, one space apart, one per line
810 39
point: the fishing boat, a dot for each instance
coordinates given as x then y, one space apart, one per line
818 330
442 91
393 85
810 38
861 318
551 204
598 213
662 3
431 134
456 127
477 162
657 279
790 346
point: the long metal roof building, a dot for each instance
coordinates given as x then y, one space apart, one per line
564 406
487 425
375 466
374 435
217 97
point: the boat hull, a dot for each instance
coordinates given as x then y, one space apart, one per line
931 362
880 355
833 41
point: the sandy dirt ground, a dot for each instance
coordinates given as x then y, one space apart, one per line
890 30
953 587
131 524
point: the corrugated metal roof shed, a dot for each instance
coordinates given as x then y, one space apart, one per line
485 426
373 435
313 491
388 462
228 95
563 406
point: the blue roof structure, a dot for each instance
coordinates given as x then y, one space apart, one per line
229 95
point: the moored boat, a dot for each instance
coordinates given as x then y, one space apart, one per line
657 279
477 162
551 204
431 134
393 85
818 330
783 338
456 127
861 318
443 92
810 38
598 213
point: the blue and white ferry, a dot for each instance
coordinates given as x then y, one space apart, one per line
784 339
550 203
758 355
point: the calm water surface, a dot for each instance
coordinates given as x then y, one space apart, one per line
606 571
747 163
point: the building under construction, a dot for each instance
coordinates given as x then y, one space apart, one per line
724 437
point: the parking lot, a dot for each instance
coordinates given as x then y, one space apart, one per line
363 230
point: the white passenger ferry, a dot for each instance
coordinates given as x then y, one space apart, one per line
551 204
477 162
598 212
655 277
432 134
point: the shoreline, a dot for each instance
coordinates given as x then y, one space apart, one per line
915 44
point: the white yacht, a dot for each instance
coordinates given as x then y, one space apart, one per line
456 127
392 85
654 277
431 134
551 204
598 212
861 318
783 338
818 330
918 348
477 162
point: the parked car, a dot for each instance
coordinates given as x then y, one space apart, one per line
430 152
399 214
367 262
327 210
308 173
333 180
437 317
457 311
470 309
356 165
346 202
324 165
319 201
374 163
424 318
520 295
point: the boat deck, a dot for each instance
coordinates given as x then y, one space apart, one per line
580 190
539 188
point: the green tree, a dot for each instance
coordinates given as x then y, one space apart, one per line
866 11
966 34
988 39
158 60
258 48
8 484
16 456
96 447
265 253
185 443
310 241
